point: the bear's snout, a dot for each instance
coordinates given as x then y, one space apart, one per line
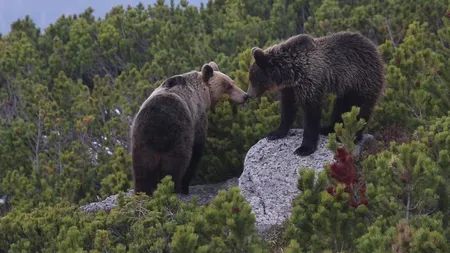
238 96
241 98
252 92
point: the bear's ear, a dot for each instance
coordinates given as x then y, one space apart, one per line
260 58
214 66
207 72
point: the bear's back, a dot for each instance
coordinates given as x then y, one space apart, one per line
182 90
351 47
341 62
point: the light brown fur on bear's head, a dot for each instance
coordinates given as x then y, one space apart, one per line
219 84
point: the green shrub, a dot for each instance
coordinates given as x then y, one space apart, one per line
138 224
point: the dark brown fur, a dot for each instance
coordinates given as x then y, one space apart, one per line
304 69
169 131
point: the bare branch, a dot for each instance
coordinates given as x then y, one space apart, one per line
390 32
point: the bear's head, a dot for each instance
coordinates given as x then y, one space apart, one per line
220 84
259 77
277 67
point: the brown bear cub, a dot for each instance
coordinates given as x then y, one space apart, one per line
303 69
168 133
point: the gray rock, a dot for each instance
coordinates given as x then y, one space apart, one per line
269 179
105 205
268 182
204 193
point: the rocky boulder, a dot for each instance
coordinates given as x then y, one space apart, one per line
269 179
268 182
204 193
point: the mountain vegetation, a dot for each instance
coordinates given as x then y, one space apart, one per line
68 95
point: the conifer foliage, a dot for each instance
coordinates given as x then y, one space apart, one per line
390 202
69 92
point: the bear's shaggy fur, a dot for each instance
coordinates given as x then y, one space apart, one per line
169 131
304 69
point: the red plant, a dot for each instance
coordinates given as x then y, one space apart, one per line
343 171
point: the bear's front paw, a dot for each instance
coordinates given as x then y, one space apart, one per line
277 134
304 151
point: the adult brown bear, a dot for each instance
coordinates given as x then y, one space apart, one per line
169 131
304 69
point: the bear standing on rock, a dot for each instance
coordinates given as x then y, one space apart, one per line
169 131
304 69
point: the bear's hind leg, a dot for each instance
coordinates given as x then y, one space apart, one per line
344 104
341 105
175 166
146 173
197 152
147 183
288 111
365 113
311 129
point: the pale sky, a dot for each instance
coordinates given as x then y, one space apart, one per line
45 12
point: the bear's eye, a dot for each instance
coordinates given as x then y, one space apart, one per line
229 86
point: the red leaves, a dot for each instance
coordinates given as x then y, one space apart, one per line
344 172
398 60
364 201
236 210
353 202
447 14
331 190
362 190
397 133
